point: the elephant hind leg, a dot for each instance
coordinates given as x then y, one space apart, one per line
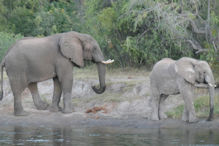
40 105
17 89
154 104
56 96
162 115
185 115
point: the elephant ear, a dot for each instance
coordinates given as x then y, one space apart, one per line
186 70
71 47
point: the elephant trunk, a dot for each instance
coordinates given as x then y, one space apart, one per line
1 91
211 101
101 73
209 78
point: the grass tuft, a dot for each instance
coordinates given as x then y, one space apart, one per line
201 107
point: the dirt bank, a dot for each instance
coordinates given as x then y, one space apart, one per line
45 118
125 103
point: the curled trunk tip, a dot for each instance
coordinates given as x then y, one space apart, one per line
1 95
210 118
100 90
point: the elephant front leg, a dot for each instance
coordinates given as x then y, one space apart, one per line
67 96
56 96
40 105
67 101
189 114
189 109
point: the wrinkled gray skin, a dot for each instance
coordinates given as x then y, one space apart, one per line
32 60
170 77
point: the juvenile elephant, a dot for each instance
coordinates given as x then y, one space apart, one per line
32 60
170 77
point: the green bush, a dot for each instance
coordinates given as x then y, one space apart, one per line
133 32
132 35
6 41
56 17
38 18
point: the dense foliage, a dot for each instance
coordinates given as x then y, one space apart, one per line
6 40
133 32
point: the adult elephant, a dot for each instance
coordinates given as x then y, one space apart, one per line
32 60
170 77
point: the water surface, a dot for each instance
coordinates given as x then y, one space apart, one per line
67 136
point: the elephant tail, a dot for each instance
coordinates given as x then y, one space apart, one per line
1 68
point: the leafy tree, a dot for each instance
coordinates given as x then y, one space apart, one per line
6 41
38 18
138 32
133 32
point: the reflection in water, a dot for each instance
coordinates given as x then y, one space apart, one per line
68 136
18 135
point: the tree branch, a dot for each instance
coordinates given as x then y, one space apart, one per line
196 29
196 46
215 48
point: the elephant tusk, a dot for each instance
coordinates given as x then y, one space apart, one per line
211 85
201 86
108 61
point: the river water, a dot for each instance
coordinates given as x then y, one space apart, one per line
101 136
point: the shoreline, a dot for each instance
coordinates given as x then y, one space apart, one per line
82 120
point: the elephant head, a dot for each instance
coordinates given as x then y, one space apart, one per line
78 47
197 72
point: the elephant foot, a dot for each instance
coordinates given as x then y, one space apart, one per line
190 120
21 113
184 118
55 108
154 117
193 120
42 106
67 107
163 116
67 110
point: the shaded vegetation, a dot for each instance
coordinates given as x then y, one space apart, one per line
6 40
133 32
